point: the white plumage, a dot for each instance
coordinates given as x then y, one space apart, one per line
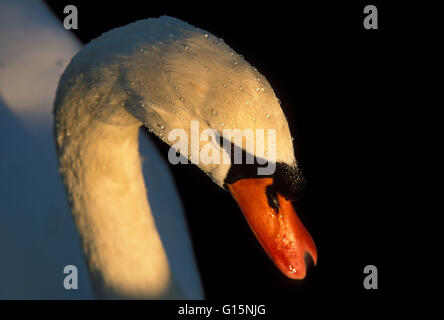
37 234
165 72
161 73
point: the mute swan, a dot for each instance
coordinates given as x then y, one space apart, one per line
164 73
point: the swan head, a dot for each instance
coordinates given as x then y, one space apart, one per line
199 96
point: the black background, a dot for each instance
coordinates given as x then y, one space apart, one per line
333 78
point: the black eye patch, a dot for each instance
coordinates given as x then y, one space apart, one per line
288 181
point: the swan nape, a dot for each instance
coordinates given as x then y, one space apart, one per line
166 74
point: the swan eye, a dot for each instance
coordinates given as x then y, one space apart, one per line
272 197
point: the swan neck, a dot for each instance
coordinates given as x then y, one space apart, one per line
101 168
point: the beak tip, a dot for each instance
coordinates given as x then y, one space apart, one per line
298 273
311 255
310 260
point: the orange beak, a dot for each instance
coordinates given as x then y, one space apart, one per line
279 231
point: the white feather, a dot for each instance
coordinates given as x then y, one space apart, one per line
162 73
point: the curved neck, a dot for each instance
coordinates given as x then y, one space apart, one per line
102 171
